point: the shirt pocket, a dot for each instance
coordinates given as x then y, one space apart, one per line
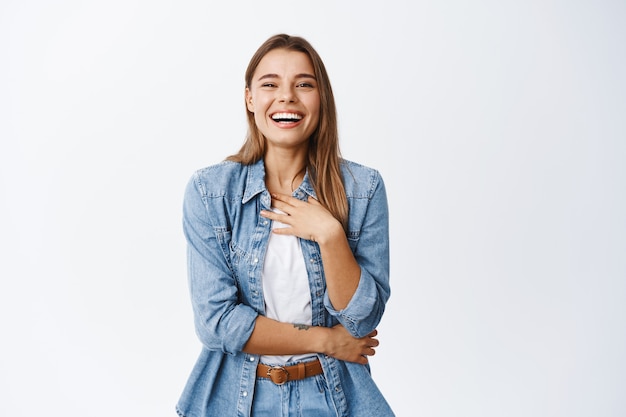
353 239
242 264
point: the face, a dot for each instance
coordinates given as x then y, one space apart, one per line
284 98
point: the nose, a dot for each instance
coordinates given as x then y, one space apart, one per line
286 94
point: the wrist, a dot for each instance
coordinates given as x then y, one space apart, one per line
321 339
331 234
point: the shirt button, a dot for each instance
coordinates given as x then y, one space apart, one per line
264 222
245 393
312 260
251 359
255 260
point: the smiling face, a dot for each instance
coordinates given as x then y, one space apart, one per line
284 98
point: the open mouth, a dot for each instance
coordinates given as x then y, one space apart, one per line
286 117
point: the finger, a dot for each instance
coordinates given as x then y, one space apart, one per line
271 215
313 201
285 199
281 205
373 343
284 231
278 196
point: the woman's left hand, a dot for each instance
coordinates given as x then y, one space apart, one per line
307 219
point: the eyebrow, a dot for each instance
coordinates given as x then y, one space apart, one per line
303 75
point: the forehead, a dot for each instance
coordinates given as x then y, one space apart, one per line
284 63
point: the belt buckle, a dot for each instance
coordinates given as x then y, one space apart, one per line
278 375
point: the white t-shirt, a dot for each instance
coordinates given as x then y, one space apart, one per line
285 287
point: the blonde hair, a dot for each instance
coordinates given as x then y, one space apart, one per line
324 156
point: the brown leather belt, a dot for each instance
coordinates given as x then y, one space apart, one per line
281 374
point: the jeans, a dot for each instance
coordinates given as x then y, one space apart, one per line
308 397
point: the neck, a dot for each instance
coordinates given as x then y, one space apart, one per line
283 182
284 175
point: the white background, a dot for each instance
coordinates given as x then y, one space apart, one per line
499 128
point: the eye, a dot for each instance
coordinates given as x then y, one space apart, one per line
268 85
304 85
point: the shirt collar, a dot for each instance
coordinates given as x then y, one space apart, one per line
255 182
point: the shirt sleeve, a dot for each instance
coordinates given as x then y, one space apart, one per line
221 322
371 251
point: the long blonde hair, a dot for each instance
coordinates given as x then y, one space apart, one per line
324 156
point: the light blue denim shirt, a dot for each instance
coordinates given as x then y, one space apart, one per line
227 239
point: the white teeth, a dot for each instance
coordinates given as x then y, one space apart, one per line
286 116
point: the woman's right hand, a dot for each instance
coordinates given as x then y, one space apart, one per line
342 345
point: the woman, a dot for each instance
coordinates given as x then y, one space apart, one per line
288 256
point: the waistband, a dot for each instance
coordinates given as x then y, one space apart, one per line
281 374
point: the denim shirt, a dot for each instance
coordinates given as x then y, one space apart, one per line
227 239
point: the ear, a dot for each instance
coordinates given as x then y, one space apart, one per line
249 101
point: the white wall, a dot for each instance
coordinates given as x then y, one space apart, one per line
498 126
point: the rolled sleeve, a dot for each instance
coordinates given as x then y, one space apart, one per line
362 314
371 251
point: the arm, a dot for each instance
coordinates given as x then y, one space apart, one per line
224 323
357 275
310 220
271 337
221 321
